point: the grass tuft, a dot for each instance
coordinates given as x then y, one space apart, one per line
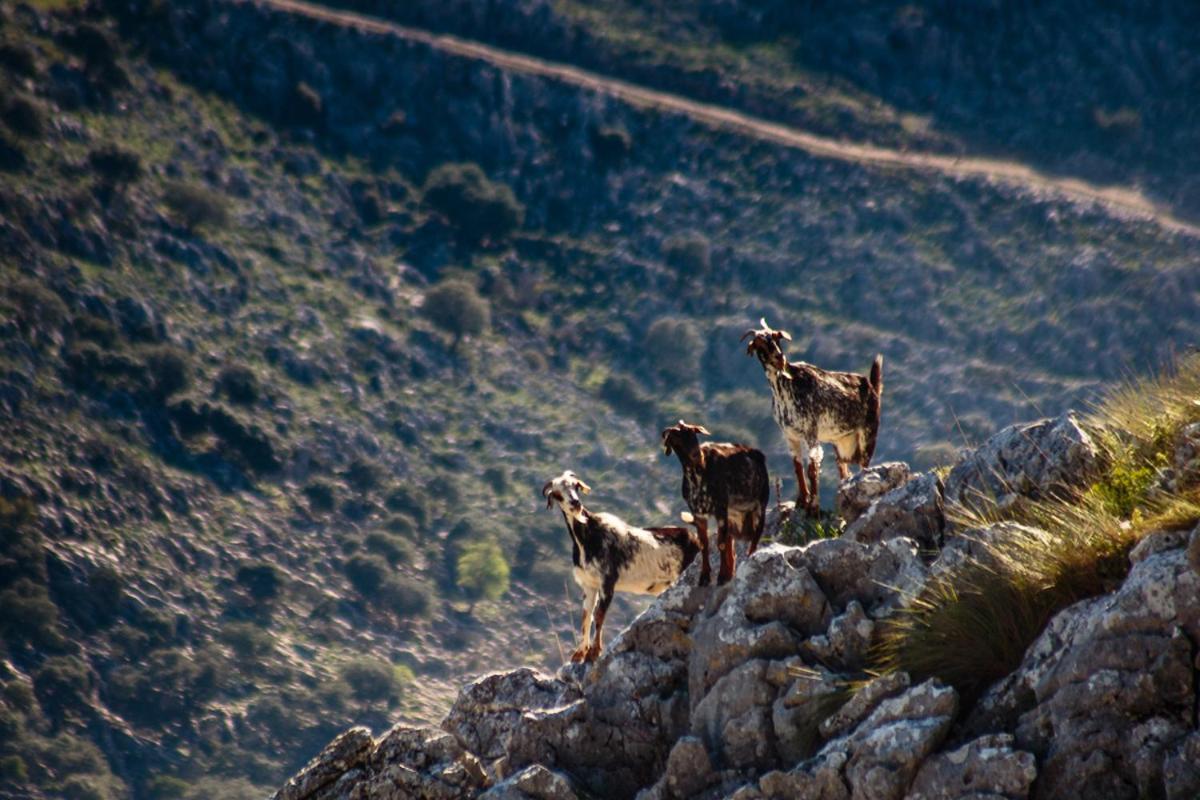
971 625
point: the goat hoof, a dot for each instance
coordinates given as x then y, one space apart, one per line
705 579
723 579
578 656
592 656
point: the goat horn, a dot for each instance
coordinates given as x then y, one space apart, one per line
763 321
702 429
747 335
786 336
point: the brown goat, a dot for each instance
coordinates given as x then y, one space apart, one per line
812 405
722 480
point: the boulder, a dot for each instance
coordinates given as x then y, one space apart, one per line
856 494
1030 460
535 782
1106 693
987 767
483 715
879 757
845 644
914 510
348 751
418 764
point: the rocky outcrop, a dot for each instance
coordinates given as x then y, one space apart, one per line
749 690
1029 460
857 493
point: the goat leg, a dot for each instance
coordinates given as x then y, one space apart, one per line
589 601
702 530
606 596
814 495
801 481
725 545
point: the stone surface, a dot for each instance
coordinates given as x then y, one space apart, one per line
346 752
856 494
419 764
486 710
914 510
1029 460
535 782
1108 689
845 644
987 767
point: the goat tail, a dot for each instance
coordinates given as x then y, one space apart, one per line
874 407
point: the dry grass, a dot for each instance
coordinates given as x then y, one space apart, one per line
972 625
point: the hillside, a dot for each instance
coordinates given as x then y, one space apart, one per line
250 418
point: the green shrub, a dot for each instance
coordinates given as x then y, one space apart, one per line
19 695
12 157
689 255
623 393
404 597
95 329
402 525
611 143
482 571
261 579
93 43
27 614
196 207
169 685
239 385
370 679
480 210
31 305
366 573
250 642
364 475
24 117
675 347
403 499
393 548
321 496
13 769
116 166
62 684
106 589
166 787
18 58
456 307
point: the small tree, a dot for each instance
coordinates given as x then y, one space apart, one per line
455 306
482 572
115 166
196 207
676 350
481 210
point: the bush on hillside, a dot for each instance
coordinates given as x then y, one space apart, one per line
250 642
371 680
403 500
116 166
195 207
239 384
366 573
404 596
611 143
261 579
61 685
482 571
170 685
24 117
12 157
390 546
674 347
481 210
689 255
321 496
455 307
18 58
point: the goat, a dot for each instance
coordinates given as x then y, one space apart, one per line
610 555
812 405
722 480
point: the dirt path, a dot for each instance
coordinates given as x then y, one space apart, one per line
1122 201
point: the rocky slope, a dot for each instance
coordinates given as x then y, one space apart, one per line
744 691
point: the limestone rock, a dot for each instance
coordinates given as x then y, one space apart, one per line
847 641
768 607
914 509
535 782
857 493
1185 461
419 764
1031 460
880 756
486 710
987 767
346 752
1107 691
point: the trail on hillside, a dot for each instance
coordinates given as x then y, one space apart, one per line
1122 201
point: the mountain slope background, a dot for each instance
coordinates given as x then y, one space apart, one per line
243 451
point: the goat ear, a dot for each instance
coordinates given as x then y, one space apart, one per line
703 431
583 487
549 502
787 337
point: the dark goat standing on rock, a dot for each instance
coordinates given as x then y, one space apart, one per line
722 480
610 555
812 405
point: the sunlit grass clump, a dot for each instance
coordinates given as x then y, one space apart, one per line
971 625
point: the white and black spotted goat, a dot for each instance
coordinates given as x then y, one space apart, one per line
812 405
610 556
722 480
